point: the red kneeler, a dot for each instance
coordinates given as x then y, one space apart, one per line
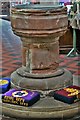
68 95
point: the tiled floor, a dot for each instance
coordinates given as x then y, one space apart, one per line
12 60
10 48
70 63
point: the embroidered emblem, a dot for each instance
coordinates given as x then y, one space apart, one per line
72 91
21 93
3 82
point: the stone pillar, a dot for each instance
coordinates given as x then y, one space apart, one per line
40 56
40 30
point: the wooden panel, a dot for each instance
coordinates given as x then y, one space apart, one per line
67 39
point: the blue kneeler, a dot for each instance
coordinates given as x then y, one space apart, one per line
5 85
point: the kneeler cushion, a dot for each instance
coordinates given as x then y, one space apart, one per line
4 85
21 97
68 95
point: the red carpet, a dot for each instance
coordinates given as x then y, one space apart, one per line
70 63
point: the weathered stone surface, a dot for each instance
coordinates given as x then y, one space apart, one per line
39 22
40 30
41 82
45 108
40 27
